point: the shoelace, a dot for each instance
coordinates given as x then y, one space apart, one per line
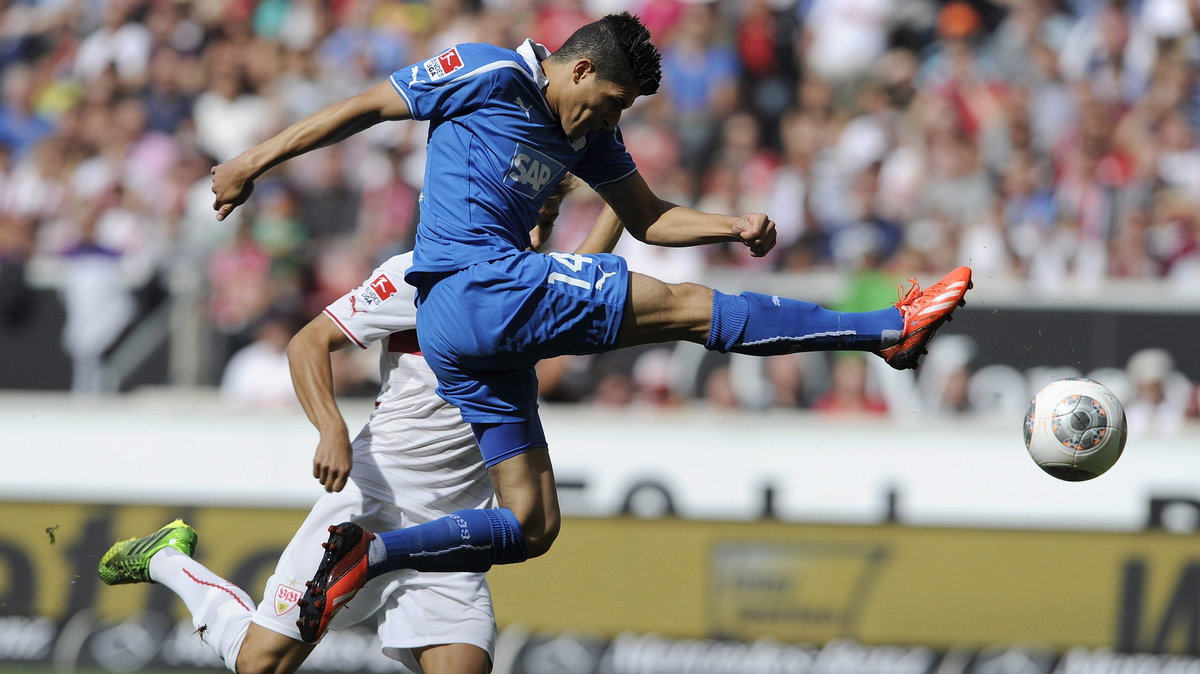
902 297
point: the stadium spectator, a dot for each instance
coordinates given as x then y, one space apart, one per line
843 39
21 124
850 393
1161 397
229 113
240 290
257 375
700 80
122 43
97 301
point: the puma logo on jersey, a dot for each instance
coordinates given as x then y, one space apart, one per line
604 277
525 108
530 171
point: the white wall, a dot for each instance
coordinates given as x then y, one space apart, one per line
170 448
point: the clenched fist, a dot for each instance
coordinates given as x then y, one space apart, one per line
757 232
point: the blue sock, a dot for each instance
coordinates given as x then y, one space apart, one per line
767 325
466 540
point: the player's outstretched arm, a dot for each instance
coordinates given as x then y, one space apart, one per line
662 223
233 180
312 377
603 236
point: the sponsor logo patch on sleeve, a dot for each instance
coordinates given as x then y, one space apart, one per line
383 286
443 64
372 294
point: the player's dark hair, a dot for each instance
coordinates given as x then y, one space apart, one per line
564 187
620 48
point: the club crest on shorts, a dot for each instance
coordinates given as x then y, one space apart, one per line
530 171
443 64
286 598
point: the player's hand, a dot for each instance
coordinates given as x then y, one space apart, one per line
232 183
332 461
757 232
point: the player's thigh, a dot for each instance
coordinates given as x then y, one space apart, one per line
268 652
436 609
665 312
525 485
454 659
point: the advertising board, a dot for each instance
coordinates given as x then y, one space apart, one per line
639 589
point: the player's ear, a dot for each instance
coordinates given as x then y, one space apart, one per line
582 68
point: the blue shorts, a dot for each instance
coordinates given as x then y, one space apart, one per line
483 328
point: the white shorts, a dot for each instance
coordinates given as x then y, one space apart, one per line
414 609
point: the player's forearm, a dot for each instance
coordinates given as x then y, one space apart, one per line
678 226
312 378
324 127
329 125
603 236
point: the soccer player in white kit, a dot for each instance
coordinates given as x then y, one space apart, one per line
414 461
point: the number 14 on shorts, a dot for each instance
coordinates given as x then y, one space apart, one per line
575 263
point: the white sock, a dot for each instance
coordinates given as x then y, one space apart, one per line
376 551
218 606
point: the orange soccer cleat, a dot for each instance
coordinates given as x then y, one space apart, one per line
342 572
924 311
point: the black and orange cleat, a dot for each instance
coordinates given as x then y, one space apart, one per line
340 575
924 311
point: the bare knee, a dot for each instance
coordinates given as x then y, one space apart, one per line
665 312
540 535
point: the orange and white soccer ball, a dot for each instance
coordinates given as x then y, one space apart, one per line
1075 429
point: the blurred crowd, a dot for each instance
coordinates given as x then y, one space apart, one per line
1053 140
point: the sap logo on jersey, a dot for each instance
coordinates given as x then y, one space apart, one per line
443 64
531 171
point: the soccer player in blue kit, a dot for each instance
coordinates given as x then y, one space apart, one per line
505 125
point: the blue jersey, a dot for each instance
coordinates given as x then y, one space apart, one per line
495 153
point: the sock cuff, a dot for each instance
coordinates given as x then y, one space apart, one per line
508 541
729 315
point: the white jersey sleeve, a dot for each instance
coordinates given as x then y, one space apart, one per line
383 305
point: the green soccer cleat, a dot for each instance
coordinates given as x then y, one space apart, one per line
128 561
